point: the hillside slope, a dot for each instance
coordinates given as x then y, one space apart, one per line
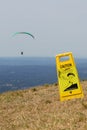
39 108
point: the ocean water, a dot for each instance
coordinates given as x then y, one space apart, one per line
25 72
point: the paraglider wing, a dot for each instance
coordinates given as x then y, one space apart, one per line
24 33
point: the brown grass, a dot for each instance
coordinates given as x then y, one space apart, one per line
39 108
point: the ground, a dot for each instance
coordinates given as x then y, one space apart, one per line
40 108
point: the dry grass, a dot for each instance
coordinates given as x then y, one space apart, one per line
39 108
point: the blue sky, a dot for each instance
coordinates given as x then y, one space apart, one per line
58 26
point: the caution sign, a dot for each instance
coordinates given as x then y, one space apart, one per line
69 84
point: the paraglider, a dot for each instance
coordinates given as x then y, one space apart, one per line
22 53
25 33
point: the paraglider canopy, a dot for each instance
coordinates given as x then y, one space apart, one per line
26 33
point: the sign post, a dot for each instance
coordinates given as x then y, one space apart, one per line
69 84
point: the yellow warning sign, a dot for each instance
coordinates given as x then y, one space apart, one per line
69 84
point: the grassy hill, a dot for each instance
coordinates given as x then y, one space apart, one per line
39 108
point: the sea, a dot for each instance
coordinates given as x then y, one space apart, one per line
18 73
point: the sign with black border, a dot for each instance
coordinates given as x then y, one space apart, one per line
68 79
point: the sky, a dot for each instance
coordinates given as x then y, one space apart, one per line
58 26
